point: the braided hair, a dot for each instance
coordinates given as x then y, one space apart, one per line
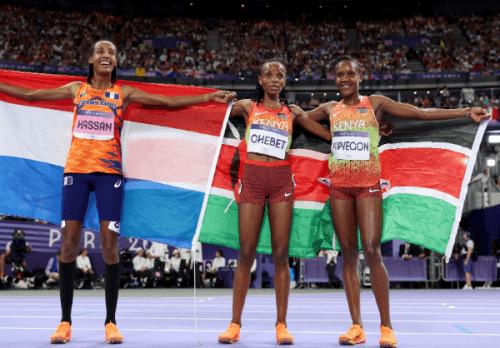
259 91
90 73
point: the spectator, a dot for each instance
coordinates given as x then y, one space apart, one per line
331 264
184 270
8 258
213 271
314 101
198 264
85 273
175 265
408 251
52 269
468 255
454 101
159 251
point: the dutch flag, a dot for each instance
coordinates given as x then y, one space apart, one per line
112 95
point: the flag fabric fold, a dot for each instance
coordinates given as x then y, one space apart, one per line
167 155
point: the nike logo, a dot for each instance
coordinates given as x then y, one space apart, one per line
288 194
118 183
260 113
373 190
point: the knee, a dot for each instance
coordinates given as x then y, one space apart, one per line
2 257
109 246
372 252
246 257
280 257
350 257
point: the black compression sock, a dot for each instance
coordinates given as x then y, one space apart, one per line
66 282
112 284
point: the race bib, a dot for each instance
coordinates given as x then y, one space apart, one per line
351 146
268 140
95 125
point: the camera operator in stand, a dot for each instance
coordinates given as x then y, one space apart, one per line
15 251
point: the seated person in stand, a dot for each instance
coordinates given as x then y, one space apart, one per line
52 269
213 272
84 271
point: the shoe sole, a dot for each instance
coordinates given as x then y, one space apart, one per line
227 340
115 341
348 342
388 345
284 341
58 340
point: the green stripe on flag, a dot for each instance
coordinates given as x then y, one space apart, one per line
421 220
417 219
221 228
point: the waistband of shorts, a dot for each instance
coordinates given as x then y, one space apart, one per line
267 164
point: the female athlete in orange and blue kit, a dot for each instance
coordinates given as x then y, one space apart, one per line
266 175
355 192
94 164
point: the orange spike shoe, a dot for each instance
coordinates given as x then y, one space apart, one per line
231 335
62 334
355 335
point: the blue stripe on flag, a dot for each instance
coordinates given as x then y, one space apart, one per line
168 214
33 189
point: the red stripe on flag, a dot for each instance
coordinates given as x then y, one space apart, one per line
306 172
203 118
418 167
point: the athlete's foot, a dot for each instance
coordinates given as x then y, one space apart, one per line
388 339
112 334
62 334
231 335
282 334
355 335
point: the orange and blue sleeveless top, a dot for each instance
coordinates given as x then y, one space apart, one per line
269 132
97 125
354 159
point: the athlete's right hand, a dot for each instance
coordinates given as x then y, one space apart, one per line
222 96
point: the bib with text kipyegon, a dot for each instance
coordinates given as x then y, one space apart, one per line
95 125
351 145
268 140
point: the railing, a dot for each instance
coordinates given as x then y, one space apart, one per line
481 195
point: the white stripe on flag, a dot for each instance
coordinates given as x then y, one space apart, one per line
465 185
37 134
424 192
426 144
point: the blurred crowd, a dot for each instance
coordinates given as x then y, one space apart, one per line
32 35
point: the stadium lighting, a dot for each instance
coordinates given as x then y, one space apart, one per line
490 163
494 139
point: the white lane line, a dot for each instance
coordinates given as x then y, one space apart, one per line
250 311
291 305
246 319
24 328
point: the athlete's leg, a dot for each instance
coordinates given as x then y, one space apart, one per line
249 222
369 214
280 220
71 233
3 261
344 222
110 253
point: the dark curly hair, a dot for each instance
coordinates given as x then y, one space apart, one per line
259 91
90 74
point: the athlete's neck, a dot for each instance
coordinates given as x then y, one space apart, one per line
271 101
101 82
353 99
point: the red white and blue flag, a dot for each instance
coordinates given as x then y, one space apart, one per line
169 158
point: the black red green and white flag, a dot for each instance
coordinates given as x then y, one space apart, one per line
426 167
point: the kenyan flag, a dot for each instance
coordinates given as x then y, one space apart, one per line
426 167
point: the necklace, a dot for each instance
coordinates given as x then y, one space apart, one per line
271 105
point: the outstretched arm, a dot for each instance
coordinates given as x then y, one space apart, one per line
135 95
310 124
67 91
383 105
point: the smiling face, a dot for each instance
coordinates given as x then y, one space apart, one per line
347 77
103 57
272 78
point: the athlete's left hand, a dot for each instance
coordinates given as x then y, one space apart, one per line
222 96
478 114
385 128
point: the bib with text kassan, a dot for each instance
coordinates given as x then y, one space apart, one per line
95 125
351 145
268 140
